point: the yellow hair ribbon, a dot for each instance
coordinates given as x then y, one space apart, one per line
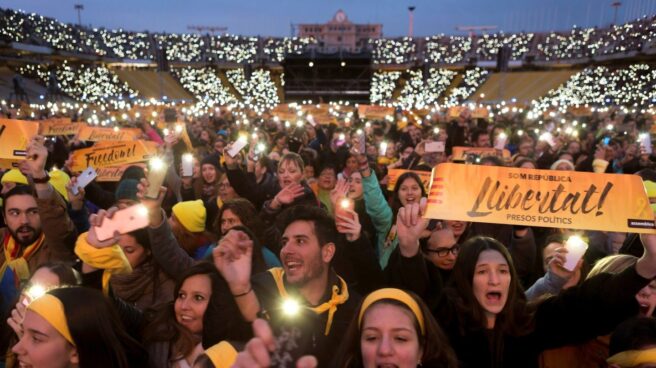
393 294
52 310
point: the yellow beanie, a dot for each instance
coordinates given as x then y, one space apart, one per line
59 180
14 176
191 215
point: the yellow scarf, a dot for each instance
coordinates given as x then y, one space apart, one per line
330 306
111 260
15 261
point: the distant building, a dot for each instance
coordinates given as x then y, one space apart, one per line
341 34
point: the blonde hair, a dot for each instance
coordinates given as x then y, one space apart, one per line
613 264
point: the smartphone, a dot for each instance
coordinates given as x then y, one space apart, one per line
86 177
156 174
645 142
605 141
123 222
187 165
236 146
500 142
362 139
341 209
434 147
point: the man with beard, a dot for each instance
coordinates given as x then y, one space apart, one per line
307 304
38 227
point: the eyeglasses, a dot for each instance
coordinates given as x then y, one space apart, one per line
443 252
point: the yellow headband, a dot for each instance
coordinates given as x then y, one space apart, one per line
52 310
222 355
633 358
394 294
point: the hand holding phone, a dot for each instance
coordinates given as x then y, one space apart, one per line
121 222
236 146
645 142
434 147
86 177
156 174
187 165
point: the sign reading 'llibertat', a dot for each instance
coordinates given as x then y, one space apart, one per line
560 199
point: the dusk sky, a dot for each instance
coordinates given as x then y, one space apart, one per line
273 17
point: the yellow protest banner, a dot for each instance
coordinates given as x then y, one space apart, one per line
460 153
547 198
107 154
374 111
97 134
59 126
455 111
480 113
393 175
14 136
114 173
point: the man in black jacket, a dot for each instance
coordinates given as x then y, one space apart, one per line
305 299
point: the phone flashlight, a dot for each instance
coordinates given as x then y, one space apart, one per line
290 307
383 148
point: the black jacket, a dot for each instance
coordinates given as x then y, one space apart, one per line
576 315
306 329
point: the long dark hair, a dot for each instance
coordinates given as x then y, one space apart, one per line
516 317
436 351
396 202
163 326
100 338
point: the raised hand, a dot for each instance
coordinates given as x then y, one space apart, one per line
339 192
15 320
409 225
154 206
233 257
257 352
287 195
76 200
37 153
96 220
646 265
557 262
348 223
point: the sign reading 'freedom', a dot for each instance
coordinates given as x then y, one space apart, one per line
561 199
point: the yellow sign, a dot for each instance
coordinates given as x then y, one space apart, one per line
374 111
63 126
97 134
455 111
114 173
460 153
480 113
14 136
393 175
560 199
107 154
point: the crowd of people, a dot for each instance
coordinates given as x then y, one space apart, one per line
295 251
578 43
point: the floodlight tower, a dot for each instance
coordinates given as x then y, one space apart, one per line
411 14
616 5
79 8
